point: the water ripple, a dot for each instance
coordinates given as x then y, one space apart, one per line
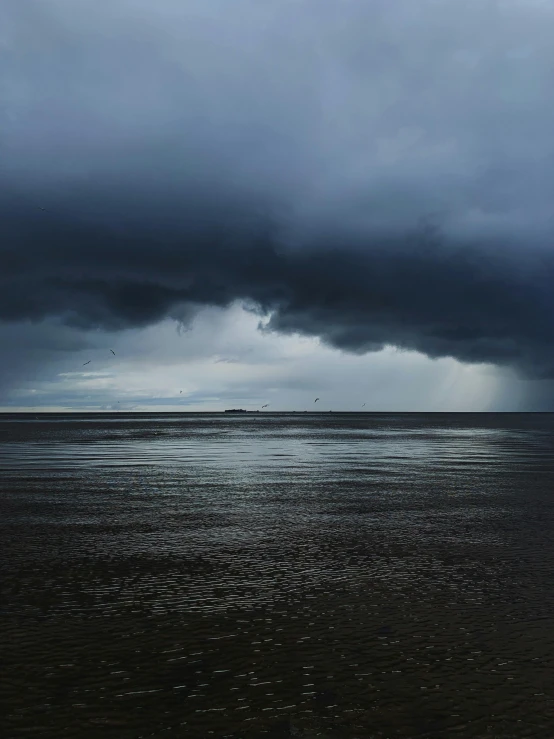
301 575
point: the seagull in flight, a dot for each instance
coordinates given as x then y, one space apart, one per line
315 401
40 207
180 391
89 361
112 351
265 406
363 405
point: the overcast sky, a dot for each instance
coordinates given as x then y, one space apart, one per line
266 201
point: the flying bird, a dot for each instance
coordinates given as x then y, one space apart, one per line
40 207
265 406
112 351
315 401
89 361
363 405
180 391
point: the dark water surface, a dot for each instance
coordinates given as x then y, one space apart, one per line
332 575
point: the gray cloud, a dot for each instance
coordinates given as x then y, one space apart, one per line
288 155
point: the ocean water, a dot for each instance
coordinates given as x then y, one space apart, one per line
331 575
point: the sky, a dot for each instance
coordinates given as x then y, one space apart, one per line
216 204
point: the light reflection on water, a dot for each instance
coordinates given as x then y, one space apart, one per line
266 441
192 567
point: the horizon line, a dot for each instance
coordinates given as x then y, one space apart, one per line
226 413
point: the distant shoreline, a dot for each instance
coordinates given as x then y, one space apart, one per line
274 413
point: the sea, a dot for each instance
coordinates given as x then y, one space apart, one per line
277 575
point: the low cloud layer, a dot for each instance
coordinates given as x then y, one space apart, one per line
224 361
370 174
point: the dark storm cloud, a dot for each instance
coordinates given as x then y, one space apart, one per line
34 352
161 156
